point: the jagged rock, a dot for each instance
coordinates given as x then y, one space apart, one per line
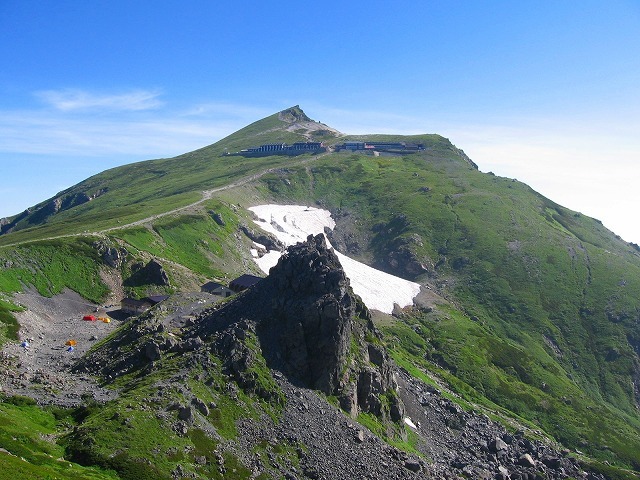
377 356
200 406
400 258
170 343
190 344
413 465
151 274
503 473
551 462
217 218
269 241
112 256
309 321
185 413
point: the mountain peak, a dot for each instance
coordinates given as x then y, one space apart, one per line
293 115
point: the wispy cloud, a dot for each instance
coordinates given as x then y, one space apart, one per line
227 110
48 133
73 100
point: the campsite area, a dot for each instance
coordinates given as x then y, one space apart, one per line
56 335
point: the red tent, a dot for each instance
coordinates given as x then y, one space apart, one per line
89 318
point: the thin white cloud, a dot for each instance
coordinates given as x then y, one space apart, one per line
227 110
54 134
73 100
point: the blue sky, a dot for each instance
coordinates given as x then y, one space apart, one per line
544 91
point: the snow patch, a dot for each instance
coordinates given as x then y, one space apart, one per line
408 421
292 224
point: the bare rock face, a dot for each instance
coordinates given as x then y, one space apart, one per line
42 213
312 327
314 310
398 255
150 274
112 256
293 115
269 241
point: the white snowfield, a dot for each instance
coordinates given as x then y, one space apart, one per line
292 224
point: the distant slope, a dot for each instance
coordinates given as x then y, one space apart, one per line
125 194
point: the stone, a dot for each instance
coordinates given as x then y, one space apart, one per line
498 445
152 351
269 241
200 406
217 218
150 274
412 465
551 462
526 460
185 413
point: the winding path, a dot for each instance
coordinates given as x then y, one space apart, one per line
206 195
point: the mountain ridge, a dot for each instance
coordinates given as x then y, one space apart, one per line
541 311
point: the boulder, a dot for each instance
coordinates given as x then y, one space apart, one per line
498 445
526 460
412 465
152 351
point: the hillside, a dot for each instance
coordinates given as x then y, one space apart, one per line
533 308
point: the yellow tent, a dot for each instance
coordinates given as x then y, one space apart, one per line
104 319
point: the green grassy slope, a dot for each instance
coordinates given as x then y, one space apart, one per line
28 435
139 190
548 298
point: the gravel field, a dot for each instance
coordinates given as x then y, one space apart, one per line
42 370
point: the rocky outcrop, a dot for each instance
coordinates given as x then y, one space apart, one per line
217 218
62 203
7 225
346 237
312 327
268 241
403 262
397 251
150 274
111 255
293 115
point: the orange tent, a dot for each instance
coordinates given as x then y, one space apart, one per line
71 343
